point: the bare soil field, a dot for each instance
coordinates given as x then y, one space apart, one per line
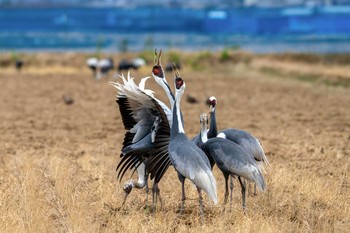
58 161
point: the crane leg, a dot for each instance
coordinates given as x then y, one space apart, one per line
243 192
155 195
231 191
147 193
226 191
183 197
200 203
158 195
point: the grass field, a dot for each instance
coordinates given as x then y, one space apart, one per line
57 161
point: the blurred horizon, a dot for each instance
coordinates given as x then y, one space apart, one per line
119 25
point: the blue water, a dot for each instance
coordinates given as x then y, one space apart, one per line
325 30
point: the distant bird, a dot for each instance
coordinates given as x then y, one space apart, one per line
134 64
19 64
191 99
68 99
169 66
92 62
101 67
139 62
105 65
188 160
247 141
231 159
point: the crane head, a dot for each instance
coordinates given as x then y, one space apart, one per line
212 103
179 82
127 187
157 70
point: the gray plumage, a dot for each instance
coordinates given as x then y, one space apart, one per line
187 158
241 137
145 142
231 159
247 141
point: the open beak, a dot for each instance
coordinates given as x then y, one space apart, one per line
157 57
176 71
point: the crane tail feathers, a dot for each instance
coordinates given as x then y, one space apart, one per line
259 180
206 181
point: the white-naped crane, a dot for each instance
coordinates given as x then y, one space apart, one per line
105 65
187 159
135 64
146 144
92 63
159 76
100 67
243 138
231 159
19 64
146 120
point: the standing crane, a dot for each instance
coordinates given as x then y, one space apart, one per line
231 159
101 67
187 158
247 141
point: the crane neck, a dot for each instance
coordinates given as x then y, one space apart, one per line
168 92
177 126
137 184
141 172
203 133
213 131
140 183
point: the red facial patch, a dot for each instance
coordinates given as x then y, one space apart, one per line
178 83
157 70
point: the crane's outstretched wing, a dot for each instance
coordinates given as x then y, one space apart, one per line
143 116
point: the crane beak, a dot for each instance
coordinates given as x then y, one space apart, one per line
176 71
125 197
157 57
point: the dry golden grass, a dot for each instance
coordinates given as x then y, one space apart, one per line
321 70
57 161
